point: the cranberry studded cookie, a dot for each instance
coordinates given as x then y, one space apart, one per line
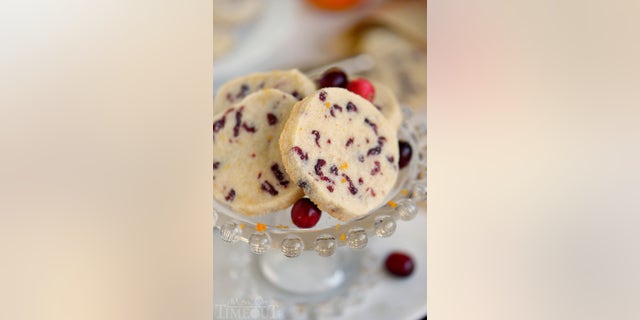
341 151
248 174
292 82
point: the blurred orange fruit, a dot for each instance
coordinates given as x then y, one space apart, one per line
335 5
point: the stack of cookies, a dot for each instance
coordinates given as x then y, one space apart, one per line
279 136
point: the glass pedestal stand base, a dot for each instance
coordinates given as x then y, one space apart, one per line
271 286
310 275
320 285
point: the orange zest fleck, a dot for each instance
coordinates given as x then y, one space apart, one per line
327 104
241 226
343 180
344 166
343 237
261 227
337 226
392 204
404 192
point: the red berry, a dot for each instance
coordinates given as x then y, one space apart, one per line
362 87
333 77
405 154
399 264
305 214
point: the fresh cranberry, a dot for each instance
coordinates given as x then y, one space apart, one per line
399 264
362 87
305 214
333 77
405 153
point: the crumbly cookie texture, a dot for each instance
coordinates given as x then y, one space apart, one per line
385 101
292 82
341 151
248 174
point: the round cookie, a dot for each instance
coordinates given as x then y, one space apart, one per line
400 64
341 151
292 82
248 174
385 101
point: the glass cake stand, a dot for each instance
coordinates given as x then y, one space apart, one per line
322 270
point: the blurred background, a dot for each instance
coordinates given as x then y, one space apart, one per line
105 148
384 41
388 40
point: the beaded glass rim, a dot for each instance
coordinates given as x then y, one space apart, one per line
401 204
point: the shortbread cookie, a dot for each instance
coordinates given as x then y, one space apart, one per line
399 64
341 151
248 174
292 82
385 101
